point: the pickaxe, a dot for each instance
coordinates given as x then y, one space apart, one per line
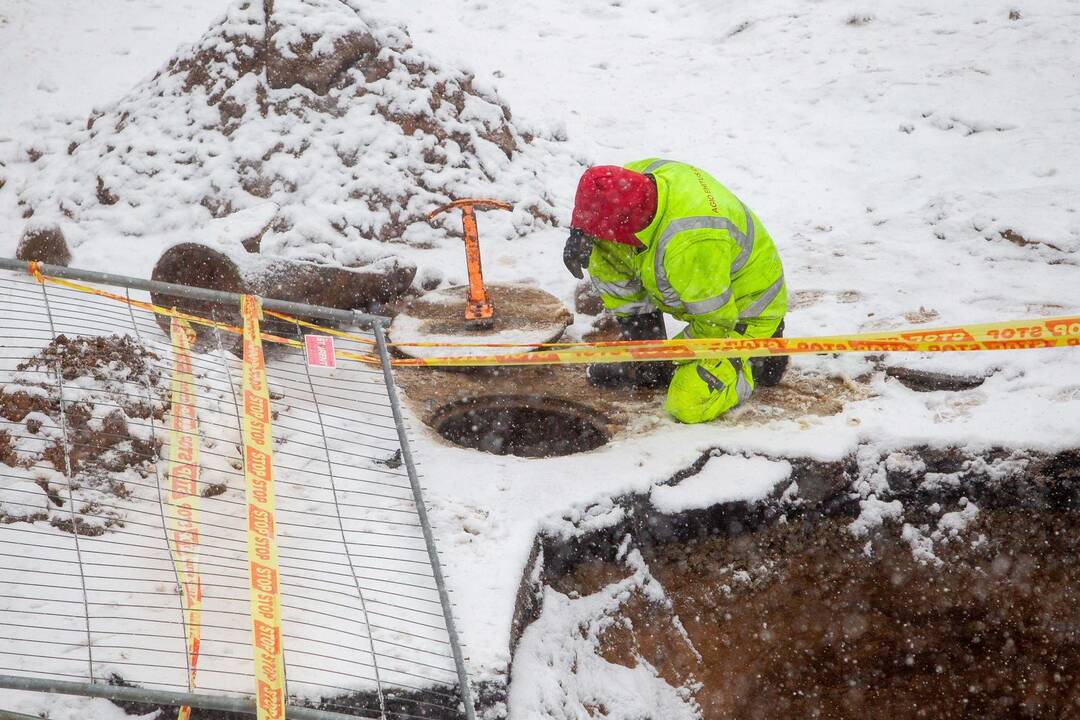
479 311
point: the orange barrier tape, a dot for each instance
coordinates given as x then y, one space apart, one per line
320 328
150 307
195 319
1018 335
262 536
182 518
1027 334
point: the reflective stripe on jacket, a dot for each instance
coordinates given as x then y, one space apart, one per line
706 259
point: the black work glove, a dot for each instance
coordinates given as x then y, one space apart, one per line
576 252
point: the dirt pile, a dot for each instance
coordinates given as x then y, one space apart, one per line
314 106
95 447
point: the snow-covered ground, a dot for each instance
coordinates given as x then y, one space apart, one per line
887 147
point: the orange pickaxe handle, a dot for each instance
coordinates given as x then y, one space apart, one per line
479 305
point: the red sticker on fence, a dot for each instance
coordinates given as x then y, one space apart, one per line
320 351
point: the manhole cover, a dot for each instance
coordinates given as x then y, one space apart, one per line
525 316
522 426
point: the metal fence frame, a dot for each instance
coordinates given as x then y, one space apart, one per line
377 324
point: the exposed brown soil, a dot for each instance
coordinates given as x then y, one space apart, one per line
93 454
1019 240
435 393
7 451
813 627
314 79
801 396
15 406
587 300
114 357
788 613
432 392
313 70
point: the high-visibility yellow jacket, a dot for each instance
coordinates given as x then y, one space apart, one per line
706 260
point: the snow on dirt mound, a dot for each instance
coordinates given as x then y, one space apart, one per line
311 105
94 449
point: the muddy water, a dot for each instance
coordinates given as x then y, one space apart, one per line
803 620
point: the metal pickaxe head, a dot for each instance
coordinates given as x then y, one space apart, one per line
478 203
479 311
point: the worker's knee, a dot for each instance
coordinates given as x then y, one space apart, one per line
705 390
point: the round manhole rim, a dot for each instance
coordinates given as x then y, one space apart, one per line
580 414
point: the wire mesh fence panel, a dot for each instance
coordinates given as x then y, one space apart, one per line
107 572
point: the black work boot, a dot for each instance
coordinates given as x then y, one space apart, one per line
610 375
768 371
648 326
642 375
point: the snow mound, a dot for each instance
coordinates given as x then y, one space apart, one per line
312 106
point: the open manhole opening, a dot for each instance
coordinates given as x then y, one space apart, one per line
524 426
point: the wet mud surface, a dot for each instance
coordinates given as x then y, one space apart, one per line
436 394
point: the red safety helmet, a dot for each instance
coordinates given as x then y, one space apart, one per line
613 203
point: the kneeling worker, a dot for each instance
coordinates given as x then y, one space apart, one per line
664 237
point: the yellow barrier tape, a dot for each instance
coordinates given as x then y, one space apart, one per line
1027 334
320 328
1061 331
262 537
195 319
182 509
150 307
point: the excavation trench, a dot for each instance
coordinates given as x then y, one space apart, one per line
786 612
